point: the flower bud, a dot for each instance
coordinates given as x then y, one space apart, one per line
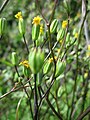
53 26
60 67
36 60
60 34
2 26
59 26
39 41
26 71
35 31
21 26
14 58
68 37
47 67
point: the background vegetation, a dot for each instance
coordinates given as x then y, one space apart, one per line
64 97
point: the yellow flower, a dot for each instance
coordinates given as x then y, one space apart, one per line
86 75
51 59
61 41
88 54
18 15
58 50
88 51
88 47
25 63
36 20
76 35
64 24
41 29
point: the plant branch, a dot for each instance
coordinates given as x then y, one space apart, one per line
14 89
3 5
50 105
75 85
25 43
21 82
37 3
35 99
53 11
82 115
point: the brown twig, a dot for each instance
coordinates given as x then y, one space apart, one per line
3 5
51 106
37 3
13 90
82 115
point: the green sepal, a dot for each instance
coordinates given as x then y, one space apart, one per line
47 67
2 26
36 60
59 26
21 26
68 37
26 71
53 26
60 67
60 34
35 31
14 58
39 41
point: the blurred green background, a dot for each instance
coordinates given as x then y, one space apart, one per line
12 41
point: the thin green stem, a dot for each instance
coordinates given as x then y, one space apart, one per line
35 99
25 43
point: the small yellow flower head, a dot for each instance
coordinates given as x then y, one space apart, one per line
41 29
64 24
58 50
51 59
36 20
76 35
89 47
18 15
61 41
88 51
86 75
25 63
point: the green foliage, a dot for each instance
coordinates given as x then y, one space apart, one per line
52 64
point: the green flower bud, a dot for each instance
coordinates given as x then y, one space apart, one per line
14 58
59 26
21 26
60 67
47 67
36 60
68 37
53 26
35 31
2 26
60 34
39 41
26 71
